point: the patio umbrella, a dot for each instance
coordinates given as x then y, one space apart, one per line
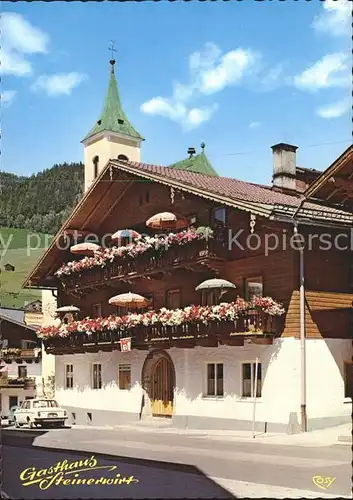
85 248
125 234
129 300
167 220
68 309
214 283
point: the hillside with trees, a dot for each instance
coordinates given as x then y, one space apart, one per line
43 201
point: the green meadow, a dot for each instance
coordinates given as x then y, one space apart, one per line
22 249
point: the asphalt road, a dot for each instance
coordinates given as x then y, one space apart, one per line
174 466
143 478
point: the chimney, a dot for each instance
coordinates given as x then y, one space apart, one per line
284 166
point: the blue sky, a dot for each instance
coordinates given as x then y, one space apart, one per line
240 76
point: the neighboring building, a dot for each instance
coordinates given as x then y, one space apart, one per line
9 267
36 317
11 312
33 313
21 366
201 375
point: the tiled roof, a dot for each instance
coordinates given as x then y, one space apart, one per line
225 186
256 197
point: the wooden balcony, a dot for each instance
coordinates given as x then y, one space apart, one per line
17 382
254 327
20 355
198 255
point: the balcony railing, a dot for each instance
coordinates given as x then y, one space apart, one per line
18 382
256 325
14 353
194 253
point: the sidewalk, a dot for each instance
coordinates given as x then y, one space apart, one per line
318 438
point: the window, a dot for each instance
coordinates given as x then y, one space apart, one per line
214 379
253 286
192 219
96 376
69 376
28 344
219 216
22 371
95 166
348 380
173 299
13 401
124 377
209 297
45 403
123 158
97 311
248 380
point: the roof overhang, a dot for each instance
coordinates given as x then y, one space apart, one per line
335 185
91 139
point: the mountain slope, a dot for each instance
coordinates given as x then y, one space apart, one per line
42 202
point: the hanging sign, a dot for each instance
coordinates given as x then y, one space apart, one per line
125 344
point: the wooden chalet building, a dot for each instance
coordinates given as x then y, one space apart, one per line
191 359
20 360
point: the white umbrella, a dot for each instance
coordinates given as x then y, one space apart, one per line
68 309
214 283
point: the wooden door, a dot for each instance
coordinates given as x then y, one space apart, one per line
162 388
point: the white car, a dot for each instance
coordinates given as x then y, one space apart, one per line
41 411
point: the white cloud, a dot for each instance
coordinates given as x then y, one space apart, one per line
215 72
210 72
196 116
272 79
335 110
7 97
335 18
58 84
254 125
178 112
19 38
330 71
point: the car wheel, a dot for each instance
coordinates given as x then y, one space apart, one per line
30 424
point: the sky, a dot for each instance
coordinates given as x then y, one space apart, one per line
239 76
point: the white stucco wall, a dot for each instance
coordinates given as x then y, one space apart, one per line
49 306
109 397
33 370
280 371
108 146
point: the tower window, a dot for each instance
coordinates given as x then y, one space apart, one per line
123 158
120 121
95 165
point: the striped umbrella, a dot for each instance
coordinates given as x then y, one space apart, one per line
85 248
125 234
129 300
167 220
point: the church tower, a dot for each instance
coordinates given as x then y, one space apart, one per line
112 137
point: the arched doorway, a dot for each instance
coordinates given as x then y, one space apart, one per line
158 381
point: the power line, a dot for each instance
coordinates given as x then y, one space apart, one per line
301 147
